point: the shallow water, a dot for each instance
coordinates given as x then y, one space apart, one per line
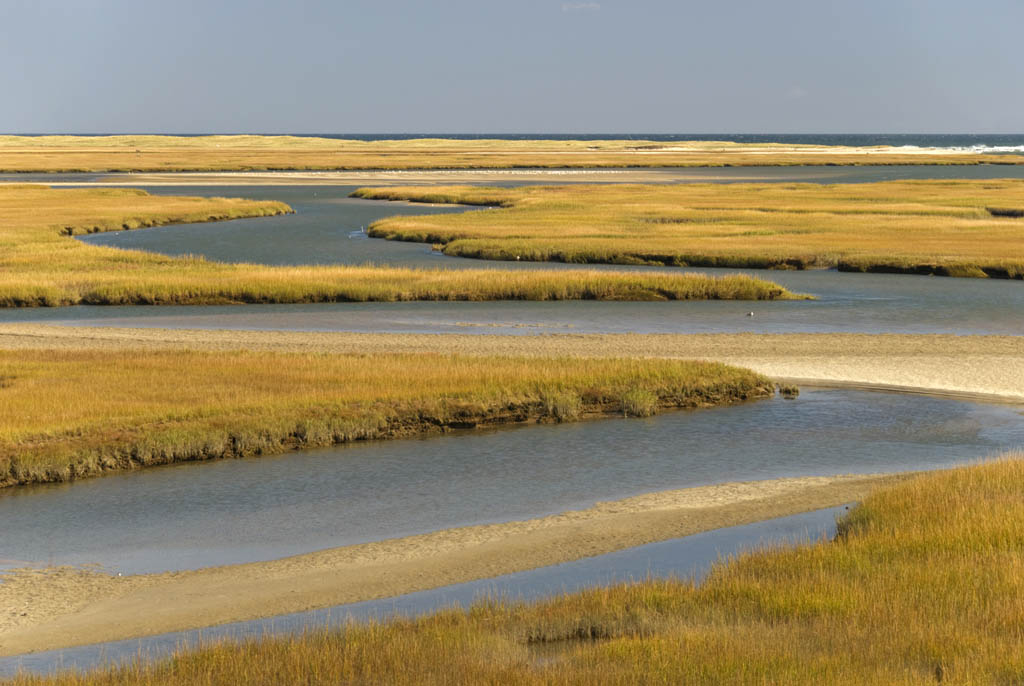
270 507
318 233
687 557
326 230
846 303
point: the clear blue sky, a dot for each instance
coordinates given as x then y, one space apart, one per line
512 66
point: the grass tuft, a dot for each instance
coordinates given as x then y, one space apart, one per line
639 402
789 391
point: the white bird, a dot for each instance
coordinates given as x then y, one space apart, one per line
750 314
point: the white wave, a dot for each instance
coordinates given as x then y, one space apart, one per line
985 149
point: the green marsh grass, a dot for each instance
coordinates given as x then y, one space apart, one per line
245 153
71 414
40 265
924 227
923 585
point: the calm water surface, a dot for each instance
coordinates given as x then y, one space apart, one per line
318 232
850 303
326 230
270 507
691 556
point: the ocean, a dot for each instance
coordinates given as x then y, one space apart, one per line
1010 143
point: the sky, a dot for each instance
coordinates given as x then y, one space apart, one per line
511 66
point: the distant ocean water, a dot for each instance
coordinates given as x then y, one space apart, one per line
986 142
980 142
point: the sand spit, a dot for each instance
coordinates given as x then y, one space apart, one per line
417 177
63 607
979 367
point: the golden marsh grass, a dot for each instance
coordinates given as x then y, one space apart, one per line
41 265
924 585
929 227
70 414
241 153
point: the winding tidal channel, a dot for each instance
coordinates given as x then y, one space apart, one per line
166 519
326 229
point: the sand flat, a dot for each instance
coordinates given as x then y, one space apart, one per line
980 367
63 607
409 177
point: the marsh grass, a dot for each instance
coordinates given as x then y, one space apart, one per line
71 414
946 228
243 153
789 391
923 585
41 266
639 402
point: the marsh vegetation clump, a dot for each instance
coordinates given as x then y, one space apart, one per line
945 228
789 391
562 404
639 402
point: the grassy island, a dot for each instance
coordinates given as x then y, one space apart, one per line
40 264
251 153
923 585
71 414
949 228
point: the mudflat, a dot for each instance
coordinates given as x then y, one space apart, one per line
62 607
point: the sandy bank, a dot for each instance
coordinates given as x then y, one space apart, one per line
411 177
984 367
54 608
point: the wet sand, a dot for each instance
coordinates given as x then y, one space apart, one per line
978 367
54 608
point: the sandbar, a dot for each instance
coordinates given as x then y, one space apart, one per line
54 608
976 367
418 177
